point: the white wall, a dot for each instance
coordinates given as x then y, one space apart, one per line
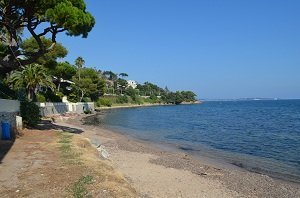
48 109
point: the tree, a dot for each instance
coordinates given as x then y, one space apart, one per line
110 75
48 60
63 71
123 75
39 18
121 84
90 84
188 96
79 62
31 78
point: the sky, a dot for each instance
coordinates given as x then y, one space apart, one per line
218 49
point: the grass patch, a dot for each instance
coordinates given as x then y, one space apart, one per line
78 189
67 150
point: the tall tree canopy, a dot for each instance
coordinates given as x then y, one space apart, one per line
48 60
90 84
40 18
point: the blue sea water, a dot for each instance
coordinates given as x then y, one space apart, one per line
262 136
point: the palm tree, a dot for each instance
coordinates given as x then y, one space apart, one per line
31 78
79 62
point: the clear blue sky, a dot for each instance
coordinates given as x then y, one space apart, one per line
217 48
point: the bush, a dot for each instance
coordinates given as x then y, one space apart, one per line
88 111
137 100
40 98
30 113
73 98
60 95
52 97
86 99
122 99
104 102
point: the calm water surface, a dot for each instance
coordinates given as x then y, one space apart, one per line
262 136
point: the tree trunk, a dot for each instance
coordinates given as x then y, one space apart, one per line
30 94
82 94
58 87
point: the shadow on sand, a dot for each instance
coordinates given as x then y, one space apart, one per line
5 146
48 125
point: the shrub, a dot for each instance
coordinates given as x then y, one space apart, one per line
40 98
52 97
73 98
122 99
104 102
60 95
86 99
30 113
137 100
88 111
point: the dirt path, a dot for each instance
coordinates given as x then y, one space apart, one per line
44 163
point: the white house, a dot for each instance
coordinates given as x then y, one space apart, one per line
132 83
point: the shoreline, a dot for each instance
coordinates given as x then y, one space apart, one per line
235 181
143 105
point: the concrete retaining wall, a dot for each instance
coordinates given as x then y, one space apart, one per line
9 112
9 105
48 109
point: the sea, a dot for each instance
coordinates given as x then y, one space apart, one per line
262 136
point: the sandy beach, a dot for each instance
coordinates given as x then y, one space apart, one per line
157 172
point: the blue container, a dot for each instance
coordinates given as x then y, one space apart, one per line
5 131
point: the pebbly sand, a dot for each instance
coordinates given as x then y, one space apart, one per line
157 172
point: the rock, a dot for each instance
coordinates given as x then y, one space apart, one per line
103 152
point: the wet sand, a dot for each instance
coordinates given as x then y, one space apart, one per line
157 172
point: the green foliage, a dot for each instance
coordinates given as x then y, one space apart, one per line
79 62
40 98
73 97
40 18
104 102
131 92
31 78
30 113
59 94
123 75
66 149
188 96
138 100
78 189
122 99
90 84
110 75
87 111
6 92
148 89
86 99
178 98
63 70
48 59
70 15
52 96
